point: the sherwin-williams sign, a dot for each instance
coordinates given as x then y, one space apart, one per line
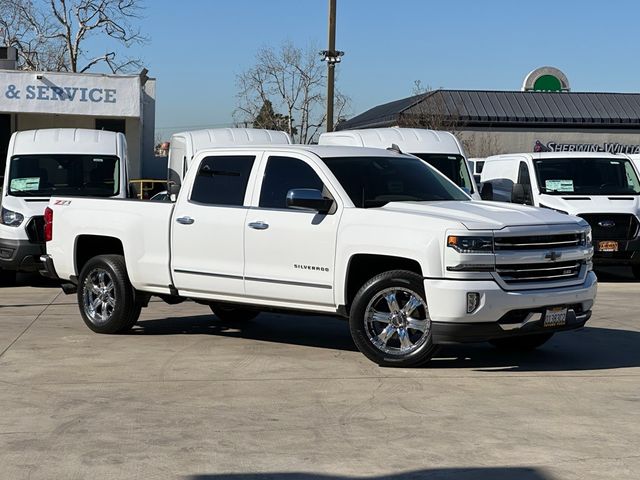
586 147
56 93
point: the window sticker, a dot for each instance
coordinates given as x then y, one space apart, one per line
559 185
25 184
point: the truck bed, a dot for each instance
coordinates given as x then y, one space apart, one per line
142 227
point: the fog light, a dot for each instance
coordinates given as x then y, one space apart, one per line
473 301
5 253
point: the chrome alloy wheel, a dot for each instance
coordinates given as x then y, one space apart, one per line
397 321
99 296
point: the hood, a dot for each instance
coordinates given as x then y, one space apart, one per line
579 204
480 215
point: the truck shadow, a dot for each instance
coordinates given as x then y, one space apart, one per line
615 275
591 348
472 473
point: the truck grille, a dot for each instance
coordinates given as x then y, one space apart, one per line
538 242
539 272
35 229
612 226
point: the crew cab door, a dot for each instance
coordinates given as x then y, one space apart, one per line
290 253
208 226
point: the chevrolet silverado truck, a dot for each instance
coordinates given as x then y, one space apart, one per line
373 235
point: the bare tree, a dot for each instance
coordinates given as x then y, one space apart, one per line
431 111
53 34
480 144
292 80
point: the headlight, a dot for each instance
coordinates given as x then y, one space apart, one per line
463 244
11 218
587 237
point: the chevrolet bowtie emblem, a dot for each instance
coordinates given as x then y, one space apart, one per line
553 256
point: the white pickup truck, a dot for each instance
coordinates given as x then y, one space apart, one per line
373 235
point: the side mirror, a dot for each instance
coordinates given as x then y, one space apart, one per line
519 194
172 190
486 192
308 199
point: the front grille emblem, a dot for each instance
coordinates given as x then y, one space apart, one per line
553 256
606 223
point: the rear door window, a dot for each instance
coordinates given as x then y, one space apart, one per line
222 180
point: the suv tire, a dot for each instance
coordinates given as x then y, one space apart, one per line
106 298
389 320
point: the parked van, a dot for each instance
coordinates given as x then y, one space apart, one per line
184 145
602 188
441 150
42 163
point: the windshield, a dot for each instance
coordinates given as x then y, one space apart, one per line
375 181
453 166
61 174
587 176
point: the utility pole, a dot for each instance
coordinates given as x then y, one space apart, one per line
331 56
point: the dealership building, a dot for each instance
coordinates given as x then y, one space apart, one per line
544 115
122 103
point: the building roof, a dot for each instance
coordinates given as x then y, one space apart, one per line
506 108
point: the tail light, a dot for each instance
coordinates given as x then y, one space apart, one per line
48 224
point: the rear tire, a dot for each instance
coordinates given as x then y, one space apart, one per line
389 320
521 344
231 313
106 298
7 278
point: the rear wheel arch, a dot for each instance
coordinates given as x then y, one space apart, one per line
89 246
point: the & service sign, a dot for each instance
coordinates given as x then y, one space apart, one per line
56 93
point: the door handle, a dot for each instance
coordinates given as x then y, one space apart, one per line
185 220
259 225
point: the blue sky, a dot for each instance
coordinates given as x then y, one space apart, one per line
197 47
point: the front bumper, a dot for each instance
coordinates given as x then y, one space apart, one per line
500 311
20 255
532 323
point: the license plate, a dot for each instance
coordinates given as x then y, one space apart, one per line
555 317
608 246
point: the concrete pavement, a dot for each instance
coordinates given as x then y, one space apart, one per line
187 397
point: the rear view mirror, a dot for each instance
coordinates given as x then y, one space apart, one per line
173 189
308 199
486 192
520 194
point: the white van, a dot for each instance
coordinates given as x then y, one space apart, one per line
42 163
441 150
602 188
184 145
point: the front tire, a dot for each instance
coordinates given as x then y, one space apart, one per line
106 297
390 322
230 313
636 271
525 343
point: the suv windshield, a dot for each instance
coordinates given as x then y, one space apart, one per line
375 181
453 166
61 174
587 176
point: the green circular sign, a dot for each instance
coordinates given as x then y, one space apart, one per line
547 83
